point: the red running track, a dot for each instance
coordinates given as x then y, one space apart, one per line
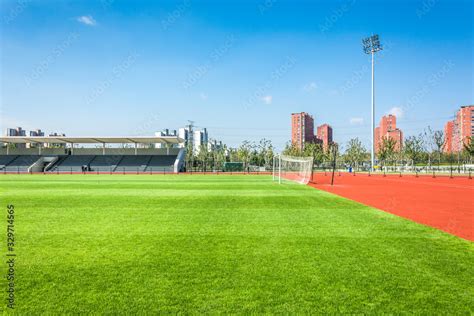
442 202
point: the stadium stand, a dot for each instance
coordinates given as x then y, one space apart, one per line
21 163
5 160
91 163
53 165
106 163
133 163
161 163
72 163
58 154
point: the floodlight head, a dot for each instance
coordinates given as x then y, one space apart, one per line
375 42
371 44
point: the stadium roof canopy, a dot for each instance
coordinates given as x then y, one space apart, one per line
92 140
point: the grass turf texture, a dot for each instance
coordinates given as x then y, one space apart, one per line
210 244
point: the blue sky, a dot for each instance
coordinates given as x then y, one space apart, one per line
239 68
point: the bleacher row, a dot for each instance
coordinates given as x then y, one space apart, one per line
91 163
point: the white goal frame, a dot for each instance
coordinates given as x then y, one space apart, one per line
296 169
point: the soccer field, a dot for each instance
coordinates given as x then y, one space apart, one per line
221 244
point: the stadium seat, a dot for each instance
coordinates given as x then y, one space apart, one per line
21 163
105 163
95 163
5 160
72 163
161 164
133 163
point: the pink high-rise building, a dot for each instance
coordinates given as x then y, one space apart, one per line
324 134
460 130
448 137
302 129
388 128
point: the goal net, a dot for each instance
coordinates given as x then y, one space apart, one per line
297 169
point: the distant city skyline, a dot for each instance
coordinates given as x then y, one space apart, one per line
239 69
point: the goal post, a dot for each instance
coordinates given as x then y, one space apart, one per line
296 169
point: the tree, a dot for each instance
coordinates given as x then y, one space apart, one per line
189 156
439 141
316 151
435 142
244 152
217 157
291 150
414 148
265 153
355 152
333 150
233 155
469 147
203 156
428 140
386 149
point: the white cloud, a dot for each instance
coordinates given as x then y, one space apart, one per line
87 20
203 96
267 99
311 86
356 121
397 111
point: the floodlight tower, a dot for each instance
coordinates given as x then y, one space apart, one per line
371 46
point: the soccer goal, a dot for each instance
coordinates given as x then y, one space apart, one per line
297 169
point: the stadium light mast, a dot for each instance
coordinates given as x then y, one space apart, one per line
371 46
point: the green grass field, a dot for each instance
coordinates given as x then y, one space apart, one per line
222 244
